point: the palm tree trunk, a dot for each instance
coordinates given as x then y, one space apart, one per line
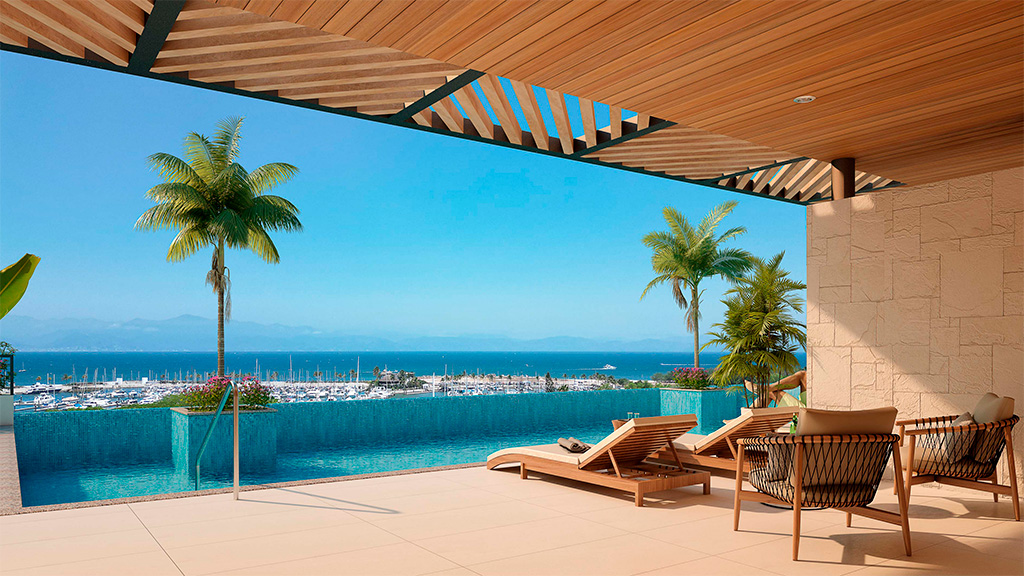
220 310
695 305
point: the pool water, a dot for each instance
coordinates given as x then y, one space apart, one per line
95 481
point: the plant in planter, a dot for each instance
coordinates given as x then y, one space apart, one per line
759 330
253 394
691 378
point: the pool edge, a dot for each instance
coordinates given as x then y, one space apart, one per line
247 488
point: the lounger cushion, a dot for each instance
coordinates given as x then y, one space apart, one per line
991 408
552 452
838 422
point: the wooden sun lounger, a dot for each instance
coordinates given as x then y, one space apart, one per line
618 461
718 450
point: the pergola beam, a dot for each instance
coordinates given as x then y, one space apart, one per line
435 96
154 34
626 137
759 168
422 117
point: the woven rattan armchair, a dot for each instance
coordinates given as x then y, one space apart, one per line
965 455
837 471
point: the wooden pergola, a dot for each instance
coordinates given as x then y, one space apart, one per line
906 92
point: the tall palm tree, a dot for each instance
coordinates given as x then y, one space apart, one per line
684 255
759 328
214 202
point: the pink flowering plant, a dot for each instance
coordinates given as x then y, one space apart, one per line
694 378
206 396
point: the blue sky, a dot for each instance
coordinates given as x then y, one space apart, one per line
405 232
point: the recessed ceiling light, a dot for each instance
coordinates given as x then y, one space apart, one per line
803 99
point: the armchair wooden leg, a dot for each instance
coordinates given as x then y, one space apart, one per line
740 456
903 497
849 519
1011 465
797 497
910 469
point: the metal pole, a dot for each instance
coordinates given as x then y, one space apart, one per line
235 386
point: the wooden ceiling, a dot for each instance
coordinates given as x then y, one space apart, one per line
915 90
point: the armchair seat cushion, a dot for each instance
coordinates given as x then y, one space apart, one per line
925 463
816 494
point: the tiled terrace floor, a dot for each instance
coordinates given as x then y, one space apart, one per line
474 521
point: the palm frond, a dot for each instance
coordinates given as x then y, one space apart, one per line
174 169
187 242
269 176
228 137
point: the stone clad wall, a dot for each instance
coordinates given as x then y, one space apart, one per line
915 298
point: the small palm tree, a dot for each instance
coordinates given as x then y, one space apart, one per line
684 255
214 202
759 329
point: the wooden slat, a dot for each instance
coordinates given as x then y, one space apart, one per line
52 16
25 23
11 36
226 67
589 122
496 97
531 111
615 121
390 97
475 111
88 14
427 84
561 116
343 77
450 115
129 15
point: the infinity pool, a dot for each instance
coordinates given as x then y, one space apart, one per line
98 455
102 482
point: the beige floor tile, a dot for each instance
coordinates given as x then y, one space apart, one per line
12 519
402 559
373 489
148 563
67 526
827 551
419 526
481 476
709 566
286 547
1004 539
460 571
715 535
682 508
433 502
224 529
956 516
222 506
947 558
626 554
582 501
507 541
76 549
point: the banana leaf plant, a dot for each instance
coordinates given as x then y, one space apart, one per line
14 280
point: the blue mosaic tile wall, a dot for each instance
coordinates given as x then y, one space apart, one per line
712 407
311 426
257 442
63 440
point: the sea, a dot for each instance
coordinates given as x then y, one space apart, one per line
108 366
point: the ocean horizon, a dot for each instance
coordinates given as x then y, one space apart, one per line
31 366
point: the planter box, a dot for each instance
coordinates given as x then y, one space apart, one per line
257 442
712 406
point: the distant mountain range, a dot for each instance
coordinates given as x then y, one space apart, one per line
189 333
